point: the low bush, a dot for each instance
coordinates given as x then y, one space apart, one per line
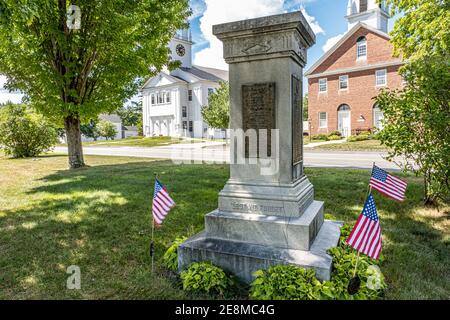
170 258
25 133
203 277
333 138
319 137
361 137
335 133
285 282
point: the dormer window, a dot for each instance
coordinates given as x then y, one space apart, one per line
361 48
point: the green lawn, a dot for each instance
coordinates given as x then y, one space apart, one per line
99 219
368 145
140 142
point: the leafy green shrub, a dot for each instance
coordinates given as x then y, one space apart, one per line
361 137
170 258
287 282
106 129
205 277
333 138
25 133
319 137
294 283
335 133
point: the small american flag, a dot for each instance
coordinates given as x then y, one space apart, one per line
388 185
162 203
366 234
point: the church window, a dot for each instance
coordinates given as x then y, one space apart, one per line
323 85
184 112
343 82
190 95
323 123
361 48
381 77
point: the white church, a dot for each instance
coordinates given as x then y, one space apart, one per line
172 101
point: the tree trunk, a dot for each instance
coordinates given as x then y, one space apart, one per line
73 134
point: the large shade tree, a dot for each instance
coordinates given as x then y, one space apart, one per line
71 75
417 116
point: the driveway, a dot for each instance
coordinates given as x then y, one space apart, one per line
216 153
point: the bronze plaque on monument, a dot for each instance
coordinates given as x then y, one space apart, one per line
258 111
297 121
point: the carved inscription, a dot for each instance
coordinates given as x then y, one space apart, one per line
297 121
251 207
258 108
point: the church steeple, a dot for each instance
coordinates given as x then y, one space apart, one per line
368 12
181 47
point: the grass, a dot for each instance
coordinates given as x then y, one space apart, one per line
99 219
368 145
139 142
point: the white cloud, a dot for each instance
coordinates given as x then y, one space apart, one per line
314 24
198 7
331 42
219 11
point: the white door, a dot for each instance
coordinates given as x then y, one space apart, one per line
377 117
344 123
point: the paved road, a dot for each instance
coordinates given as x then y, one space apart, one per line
189 153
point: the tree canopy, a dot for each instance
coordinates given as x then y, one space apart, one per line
73 75
217 113
417 116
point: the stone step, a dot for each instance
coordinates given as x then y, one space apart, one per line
279 232
243 259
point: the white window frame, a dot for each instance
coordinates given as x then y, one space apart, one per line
360 45
190 95
377 76
326 85
320 120
346 81
184 113
153 99
168 97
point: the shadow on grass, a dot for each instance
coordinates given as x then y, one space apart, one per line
99 218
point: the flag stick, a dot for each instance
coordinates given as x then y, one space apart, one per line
356 265
152 246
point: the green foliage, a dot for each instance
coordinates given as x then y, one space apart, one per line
360 137
286 282
423 30
106 129
305 107
335 133
333 138
131 115
170 258
319 137
90 130
24 133
217 113
203 277
417 117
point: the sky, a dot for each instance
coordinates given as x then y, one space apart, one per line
326 18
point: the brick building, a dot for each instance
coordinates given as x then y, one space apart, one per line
342 84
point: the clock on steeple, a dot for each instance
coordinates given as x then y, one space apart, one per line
181 48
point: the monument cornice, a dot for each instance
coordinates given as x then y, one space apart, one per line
278 36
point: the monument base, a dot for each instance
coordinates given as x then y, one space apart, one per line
243 259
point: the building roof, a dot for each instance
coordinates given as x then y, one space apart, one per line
353 30
114 118
210 74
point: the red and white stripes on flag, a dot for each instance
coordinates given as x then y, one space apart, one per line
162 203
388 185
366 234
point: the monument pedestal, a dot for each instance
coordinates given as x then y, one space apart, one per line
267 214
